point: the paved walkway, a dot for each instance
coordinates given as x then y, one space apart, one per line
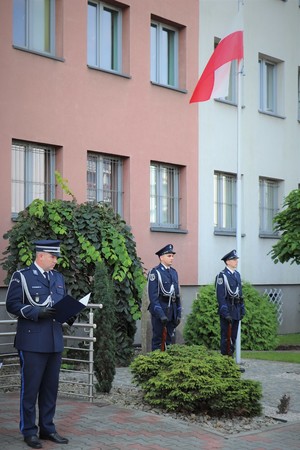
96 426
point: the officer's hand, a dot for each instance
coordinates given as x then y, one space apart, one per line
177 321
164 321
47 313
71 320
229 319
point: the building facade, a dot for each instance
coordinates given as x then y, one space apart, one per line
99 91
264 150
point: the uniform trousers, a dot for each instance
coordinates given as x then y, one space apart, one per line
224 333
39 381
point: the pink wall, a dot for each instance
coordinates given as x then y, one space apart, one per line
80 109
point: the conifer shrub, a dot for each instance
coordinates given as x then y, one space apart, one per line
259 326
105 333
192 379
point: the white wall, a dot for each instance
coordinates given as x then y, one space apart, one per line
270 146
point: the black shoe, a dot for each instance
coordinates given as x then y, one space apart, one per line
33 441
54 437
241 369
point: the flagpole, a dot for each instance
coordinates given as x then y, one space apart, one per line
239 191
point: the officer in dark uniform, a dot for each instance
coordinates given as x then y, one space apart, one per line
230 300
164 296
31 294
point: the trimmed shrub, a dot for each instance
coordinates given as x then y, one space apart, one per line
193 379
259 326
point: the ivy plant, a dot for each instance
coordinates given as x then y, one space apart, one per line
89 234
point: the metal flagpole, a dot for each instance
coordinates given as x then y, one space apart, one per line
239 173
239 193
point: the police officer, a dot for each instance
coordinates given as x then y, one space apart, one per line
230 300
31 294
164 296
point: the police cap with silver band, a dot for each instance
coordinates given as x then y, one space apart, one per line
230 255
165 250
48 246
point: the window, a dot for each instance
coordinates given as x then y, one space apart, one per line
164 196
33 174
104 180
232 96
104 41
164 54
271 80
268 205
34 25
225 202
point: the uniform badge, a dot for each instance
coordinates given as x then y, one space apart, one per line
35 272
220 280
152 277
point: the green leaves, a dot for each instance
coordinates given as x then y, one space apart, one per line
259 326
287 222
89 234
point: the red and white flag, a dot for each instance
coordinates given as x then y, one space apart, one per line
214 80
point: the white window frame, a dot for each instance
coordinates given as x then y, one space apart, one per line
225 202
98 38
268 71
268 205
164 196
105 180
32 174
29 28
164 60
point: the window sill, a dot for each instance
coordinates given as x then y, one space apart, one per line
226 233
268 113
168 230
172 88
265 235
111 72
34 52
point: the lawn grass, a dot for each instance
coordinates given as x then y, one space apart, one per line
289 339
289 356
281 356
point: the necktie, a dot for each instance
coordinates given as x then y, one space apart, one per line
47 277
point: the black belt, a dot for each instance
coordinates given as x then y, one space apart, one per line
166 298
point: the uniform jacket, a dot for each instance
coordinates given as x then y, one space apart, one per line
230 300
159 299
34 334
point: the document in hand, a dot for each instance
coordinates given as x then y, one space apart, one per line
69 306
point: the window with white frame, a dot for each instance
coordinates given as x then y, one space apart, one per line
32 174
104 36
225 202
164 54
232 96
34 25
164 195
268 204
269 77
104 180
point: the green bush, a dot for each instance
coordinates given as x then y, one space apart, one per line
259 326
192 379
105 345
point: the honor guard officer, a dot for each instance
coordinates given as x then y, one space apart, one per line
230 299
164 296
31 294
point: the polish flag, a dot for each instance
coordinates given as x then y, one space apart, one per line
214 80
